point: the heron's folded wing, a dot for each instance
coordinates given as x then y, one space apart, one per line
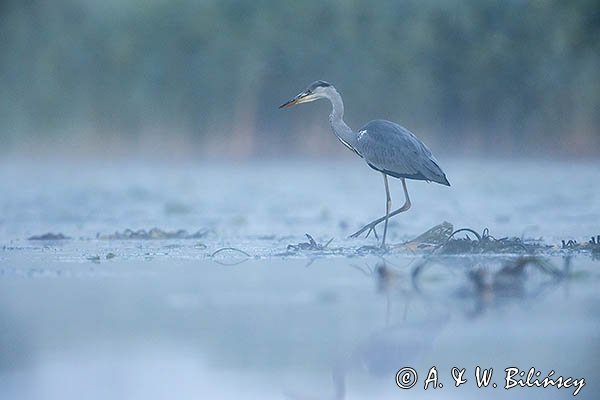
390 148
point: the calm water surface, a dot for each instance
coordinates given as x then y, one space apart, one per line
99 318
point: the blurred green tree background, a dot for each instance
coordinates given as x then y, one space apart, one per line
189 78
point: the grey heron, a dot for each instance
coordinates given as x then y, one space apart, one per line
386 147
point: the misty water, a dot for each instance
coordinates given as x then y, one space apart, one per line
102 315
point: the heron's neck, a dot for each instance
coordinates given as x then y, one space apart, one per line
336 119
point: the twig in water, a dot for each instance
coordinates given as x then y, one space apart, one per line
465 230
231 249
310 245
570 244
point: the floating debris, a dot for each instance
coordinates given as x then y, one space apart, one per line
592 245
154 233
233 249
316 249
371 249
110 256
569 244
310 245
94 259
486 243
230 256
444 239
433 238
49 236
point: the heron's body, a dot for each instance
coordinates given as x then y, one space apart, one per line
386 147
389 148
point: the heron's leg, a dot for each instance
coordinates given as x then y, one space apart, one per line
388 205
371 226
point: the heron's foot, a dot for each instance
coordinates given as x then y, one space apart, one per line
370 227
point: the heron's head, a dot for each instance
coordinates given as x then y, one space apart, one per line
314 91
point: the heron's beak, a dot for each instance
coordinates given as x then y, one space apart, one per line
301 98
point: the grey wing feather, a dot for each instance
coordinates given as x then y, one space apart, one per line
394 150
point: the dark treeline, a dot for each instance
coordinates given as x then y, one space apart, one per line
469 76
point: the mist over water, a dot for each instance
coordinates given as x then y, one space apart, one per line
155 318
263 203
167 233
